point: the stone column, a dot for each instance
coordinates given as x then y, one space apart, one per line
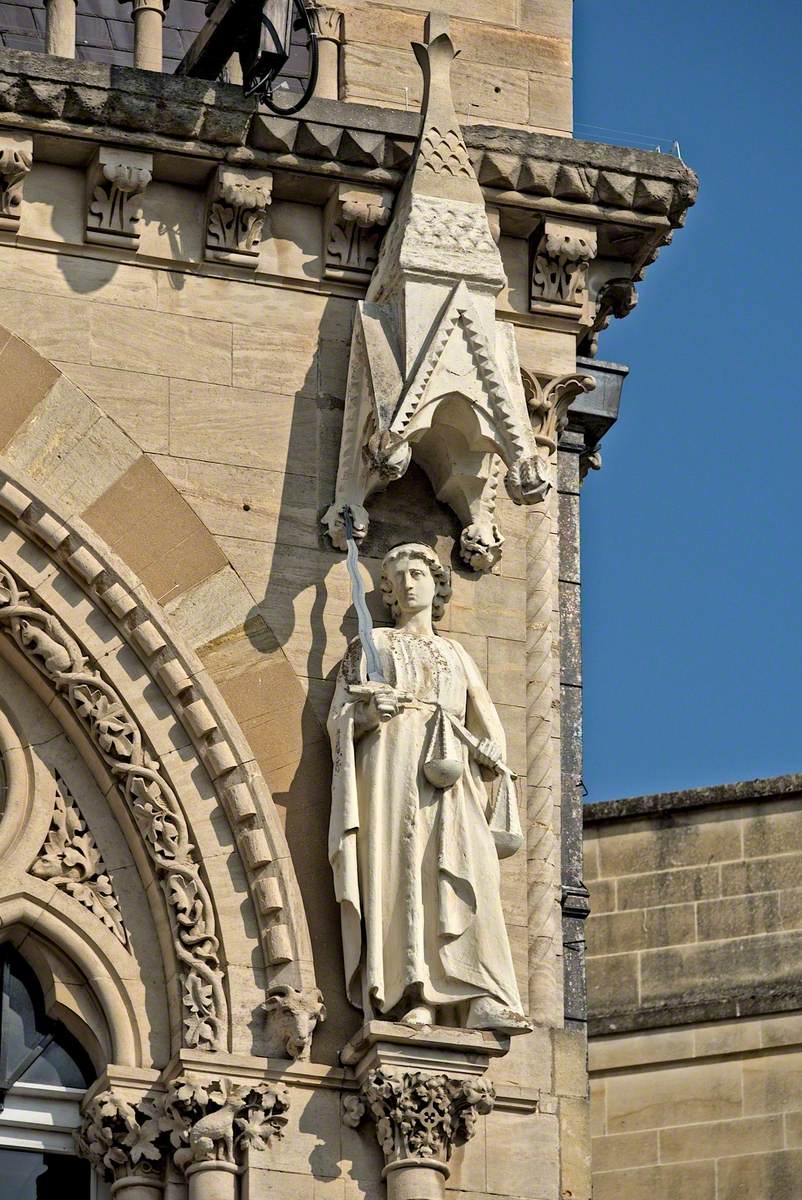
327 24
548 407
60 28
148 33
213 1122
425 1091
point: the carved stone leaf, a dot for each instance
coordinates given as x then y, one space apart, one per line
70 858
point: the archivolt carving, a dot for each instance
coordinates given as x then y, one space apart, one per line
72 861
219 746
118 738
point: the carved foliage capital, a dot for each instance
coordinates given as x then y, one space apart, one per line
216 1120
548 403
326 22
16 158
420 1116
236 206
354 222
115 184
561 254
122 1139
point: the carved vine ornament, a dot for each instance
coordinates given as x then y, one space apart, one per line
119 740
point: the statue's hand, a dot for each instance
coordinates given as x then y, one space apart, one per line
488 753
380 703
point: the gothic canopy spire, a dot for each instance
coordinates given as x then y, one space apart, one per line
441 167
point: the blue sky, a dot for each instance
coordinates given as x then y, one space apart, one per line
691 531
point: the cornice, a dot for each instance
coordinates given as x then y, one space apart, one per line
530 172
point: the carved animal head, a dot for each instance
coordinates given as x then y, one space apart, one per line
526 481
292 1018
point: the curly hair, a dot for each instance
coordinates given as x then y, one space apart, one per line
440 574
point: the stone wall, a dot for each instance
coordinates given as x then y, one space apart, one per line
695 993
192 417
514 69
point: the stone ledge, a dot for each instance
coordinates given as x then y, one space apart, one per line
530 170
779 787
747 1002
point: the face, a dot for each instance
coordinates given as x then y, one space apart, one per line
413 584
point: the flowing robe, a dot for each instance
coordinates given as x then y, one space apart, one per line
415 867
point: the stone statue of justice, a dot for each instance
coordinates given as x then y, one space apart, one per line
423 807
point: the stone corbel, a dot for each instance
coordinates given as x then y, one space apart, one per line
614 297
16 157
354 221
425 1095
115 184
212 1123
548 400
561 254
236 206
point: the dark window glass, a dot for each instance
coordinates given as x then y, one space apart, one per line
33 1175
34 1049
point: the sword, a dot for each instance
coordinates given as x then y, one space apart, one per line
376 677
375 673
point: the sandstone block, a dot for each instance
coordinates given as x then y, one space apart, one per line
721 1139
709 970
637 1049
738 916
683 1095
158 344
162 539
775 831
775 1175
634 1149
636 847
138 403
773 1083
668 887
613 983
690 1181
27 378
761 875
535 1174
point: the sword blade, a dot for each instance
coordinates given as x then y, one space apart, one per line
364 619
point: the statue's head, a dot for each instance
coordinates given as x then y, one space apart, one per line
413 578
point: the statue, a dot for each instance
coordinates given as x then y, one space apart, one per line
415 839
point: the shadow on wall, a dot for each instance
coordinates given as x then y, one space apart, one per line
305 623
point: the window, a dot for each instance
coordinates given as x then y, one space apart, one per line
43 1075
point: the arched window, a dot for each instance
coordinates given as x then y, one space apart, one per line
43 1075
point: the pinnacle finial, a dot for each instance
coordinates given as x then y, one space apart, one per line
442 167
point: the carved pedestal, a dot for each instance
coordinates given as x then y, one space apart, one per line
425 1090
